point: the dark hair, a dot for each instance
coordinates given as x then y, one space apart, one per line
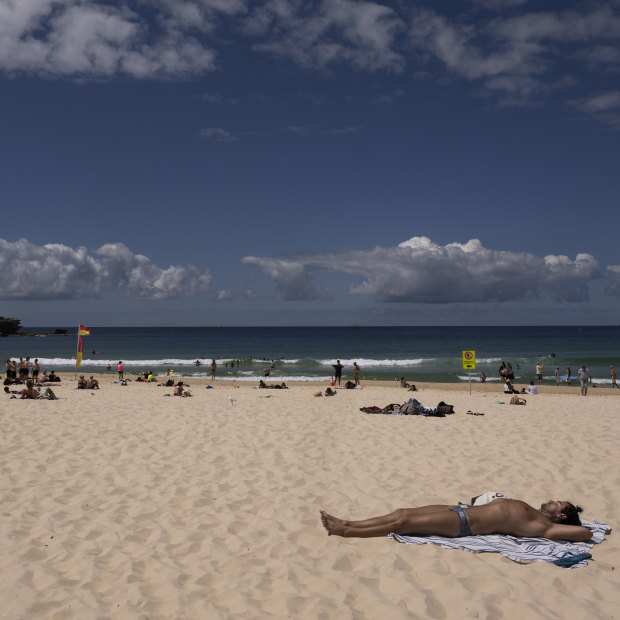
572 514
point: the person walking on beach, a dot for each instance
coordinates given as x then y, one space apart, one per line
555 520
539 369
356 373
121 370
612 374
337 371
584 378
213 369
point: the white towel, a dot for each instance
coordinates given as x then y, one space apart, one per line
523 550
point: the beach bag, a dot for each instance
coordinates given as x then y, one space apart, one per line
444 409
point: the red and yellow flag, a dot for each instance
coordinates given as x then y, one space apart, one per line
82 331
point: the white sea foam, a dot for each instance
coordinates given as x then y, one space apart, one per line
369 363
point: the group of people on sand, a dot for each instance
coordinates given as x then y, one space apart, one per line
509 388
338 373
87 384
32 391
410 387
583 375
19 372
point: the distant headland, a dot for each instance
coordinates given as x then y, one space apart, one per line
11 327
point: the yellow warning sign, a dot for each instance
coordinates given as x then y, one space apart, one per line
469 360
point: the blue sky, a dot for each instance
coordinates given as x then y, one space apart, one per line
237 162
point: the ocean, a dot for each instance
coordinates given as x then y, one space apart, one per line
307 353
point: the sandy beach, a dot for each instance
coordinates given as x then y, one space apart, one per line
126 503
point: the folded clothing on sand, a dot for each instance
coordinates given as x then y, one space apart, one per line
412 407
523 550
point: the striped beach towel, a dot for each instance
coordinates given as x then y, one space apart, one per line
524 550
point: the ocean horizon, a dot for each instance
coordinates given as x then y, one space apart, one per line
307 353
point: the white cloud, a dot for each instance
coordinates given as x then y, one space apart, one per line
421 271
55 271
499 5
514 53
96 39
218 134
613 273
318 34
601 103
605 107
224 295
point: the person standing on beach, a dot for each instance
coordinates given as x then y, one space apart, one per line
557 375
584 378
568 375
356 373
502 371
539 369
35 370
23 370
337 371
612 374
213 368
121 369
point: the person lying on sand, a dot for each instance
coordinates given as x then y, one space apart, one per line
556 520
31 392
182 389
276 386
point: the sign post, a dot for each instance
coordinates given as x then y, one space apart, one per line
469 363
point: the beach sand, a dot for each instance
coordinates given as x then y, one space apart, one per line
124 503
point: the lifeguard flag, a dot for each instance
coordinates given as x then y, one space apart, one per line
82 331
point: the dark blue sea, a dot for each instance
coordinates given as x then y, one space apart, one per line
307 353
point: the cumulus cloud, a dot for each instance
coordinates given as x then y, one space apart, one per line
99 39
175 38
520 49
55 271
330 31
421 271
510 49
613 274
